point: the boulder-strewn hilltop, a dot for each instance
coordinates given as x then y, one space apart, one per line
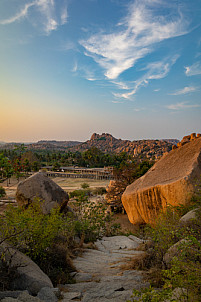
149 148
144 148
170 181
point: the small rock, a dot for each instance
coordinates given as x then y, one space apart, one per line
9 299
83 277
173 251
47 294
71 296
188 217
25 297
178 294
10 293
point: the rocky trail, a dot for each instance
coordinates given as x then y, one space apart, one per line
100 277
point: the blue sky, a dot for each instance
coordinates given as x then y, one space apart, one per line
73 67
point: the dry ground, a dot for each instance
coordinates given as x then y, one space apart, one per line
70 184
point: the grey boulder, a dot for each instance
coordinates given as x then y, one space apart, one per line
188 217
30 276
39 186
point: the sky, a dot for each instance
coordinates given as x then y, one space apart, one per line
69 68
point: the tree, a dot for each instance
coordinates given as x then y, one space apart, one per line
56 166
18 168
124 176
35 166
27 166
5 167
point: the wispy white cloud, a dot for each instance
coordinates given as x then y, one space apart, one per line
75 67
64 15
117 102
156 90
121 85
20 15
84 72
185 90
139 109
182 105
90 79
136 36
194 69
155 71
45 13
68 45
198 55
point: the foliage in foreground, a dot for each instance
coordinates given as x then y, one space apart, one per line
49 239
93 220
184 271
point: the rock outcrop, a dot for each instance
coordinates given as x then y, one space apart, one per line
145 149
42 187
186 139
100 277
30 277
170 181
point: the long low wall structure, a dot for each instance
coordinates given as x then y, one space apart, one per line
97 175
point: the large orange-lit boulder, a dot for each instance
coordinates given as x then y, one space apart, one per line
172 180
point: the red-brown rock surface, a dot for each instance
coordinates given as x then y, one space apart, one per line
170 181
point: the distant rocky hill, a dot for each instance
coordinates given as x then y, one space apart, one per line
151 149
45 145
143 148
53 144
173 141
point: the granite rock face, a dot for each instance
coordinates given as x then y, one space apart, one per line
170 181
42 187
30 276
100 276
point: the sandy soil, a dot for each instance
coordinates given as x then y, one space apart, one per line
70 184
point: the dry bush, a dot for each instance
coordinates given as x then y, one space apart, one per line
141 261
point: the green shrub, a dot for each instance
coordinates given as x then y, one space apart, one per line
2 192
80 193
34 231
185 270
99 191
151 295
93 220
85 185
46 239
